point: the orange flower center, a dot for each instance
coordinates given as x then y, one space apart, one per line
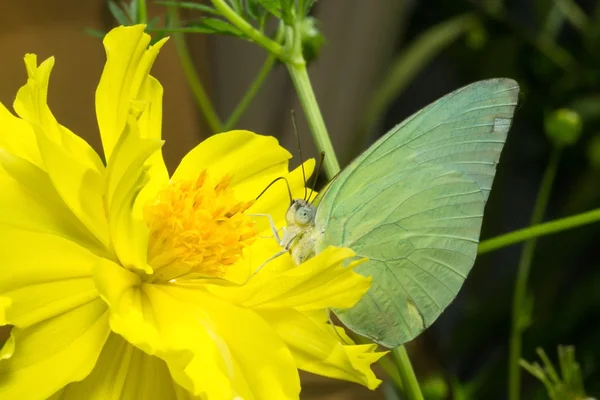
196 229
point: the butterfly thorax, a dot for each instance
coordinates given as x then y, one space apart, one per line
300 236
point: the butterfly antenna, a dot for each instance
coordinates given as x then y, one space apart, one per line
271 184
300 151
312 189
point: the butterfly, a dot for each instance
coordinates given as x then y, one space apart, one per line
413 205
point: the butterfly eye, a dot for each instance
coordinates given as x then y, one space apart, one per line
303 215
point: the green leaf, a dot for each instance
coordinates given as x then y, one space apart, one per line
574 14
312 39
286 4
287 11
252 9
263 18
272 6
153 23
567 385
258 12
190 6
94 33
131 10
118 13
237 6
306 6
213 26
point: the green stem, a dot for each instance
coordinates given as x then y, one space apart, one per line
311 109
251 93
237 20
142 11
392 371
514 371
536 231
200 94
409 379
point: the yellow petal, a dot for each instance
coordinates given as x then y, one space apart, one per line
150 123
319 283
124 372
17 137
43 276
74 168
81 188
126 177
155 322
317 347
265 367
54 353
35 205
126 85
246 156
31 105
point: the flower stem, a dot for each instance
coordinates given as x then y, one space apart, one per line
272 46
251 93
392 371
535 231
409 379
520 293
142 12
200 94
309 103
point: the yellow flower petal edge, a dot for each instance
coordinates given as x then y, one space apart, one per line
126 178
317 347
242 154
34 203
118 373
318 283
176 334
18 138
54 352
31 105
74 168
126 86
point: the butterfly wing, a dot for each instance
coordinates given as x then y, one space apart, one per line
413 204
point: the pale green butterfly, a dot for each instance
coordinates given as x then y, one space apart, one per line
413 205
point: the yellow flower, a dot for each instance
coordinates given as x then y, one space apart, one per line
121 282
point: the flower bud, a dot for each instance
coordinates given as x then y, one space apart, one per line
563 127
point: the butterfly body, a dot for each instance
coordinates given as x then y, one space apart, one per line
300 235
413 205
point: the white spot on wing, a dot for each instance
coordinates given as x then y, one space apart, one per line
501 125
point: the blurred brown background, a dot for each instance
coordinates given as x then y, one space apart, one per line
56 28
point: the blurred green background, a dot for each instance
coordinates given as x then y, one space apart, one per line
381 61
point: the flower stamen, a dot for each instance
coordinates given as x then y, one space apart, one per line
197 228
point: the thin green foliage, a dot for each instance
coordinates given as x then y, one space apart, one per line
566 383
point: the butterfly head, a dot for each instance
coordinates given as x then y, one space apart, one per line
300 213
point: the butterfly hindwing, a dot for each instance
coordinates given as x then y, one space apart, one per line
413 204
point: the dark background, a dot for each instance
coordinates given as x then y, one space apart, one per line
557 65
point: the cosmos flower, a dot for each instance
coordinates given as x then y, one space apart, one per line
121 282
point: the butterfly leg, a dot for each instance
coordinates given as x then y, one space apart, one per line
271 223
334 327
265 263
